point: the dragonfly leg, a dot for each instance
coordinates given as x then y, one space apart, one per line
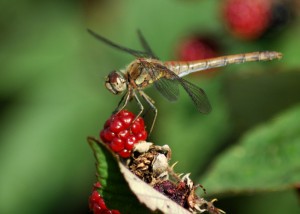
124 99
151 104
140 105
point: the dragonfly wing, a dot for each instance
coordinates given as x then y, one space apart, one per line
168 88
145 45
198 96
166 81
133 52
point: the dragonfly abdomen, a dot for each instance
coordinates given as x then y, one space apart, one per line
183 68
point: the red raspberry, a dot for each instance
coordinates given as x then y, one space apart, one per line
110 212
131 140
141 135
248 19
96 186
125 153
117 144
107 135
121 132
97 204
96 201
124 134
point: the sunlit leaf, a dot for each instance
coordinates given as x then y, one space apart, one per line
265 159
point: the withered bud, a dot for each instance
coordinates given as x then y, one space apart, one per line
159 164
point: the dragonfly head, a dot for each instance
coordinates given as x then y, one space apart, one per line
116 82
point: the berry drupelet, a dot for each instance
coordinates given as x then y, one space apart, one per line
121 132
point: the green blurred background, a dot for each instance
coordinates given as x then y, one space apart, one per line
52 97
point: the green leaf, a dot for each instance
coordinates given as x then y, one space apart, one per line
124 191
115 190
265 159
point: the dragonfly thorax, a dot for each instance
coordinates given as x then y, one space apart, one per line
116 82
141 73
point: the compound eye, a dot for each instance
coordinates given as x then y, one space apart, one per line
109 86
114 77
116 82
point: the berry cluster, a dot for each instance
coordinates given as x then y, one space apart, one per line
121 132
97 204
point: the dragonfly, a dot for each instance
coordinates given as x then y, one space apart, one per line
166 76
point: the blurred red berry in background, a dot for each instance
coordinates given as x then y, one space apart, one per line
197 47
247 19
